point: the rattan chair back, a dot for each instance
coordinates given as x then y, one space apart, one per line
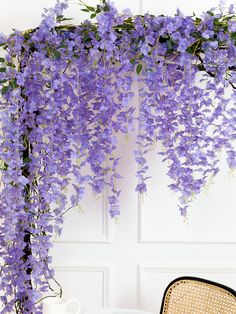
191 295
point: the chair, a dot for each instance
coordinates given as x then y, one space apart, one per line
191 295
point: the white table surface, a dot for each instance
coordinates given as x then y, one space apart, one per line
116 311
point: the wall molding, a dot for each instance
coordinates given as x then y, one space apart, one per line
146 236
103 237
91 267
188 269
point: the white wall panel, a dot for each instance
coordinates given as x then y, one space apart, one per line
26 14
79 16
88 223
187 7
22 14
88 283
160 219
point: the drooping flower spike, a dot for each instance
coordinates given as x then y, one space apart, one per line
66 97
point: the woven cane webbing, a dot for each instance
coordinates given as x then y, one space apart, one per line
196 297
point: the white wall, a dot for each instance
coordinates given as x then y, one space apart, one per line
25 14
128 264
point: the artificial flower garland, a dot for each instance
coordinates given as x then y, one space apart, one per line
67 95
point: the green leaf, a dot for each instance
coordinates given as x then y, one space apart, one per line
90 8
3 165
132 61
56 54
2 60
227 18
93 15
26 36
5 89
196 34
98 10
75 56
189 50
4 46
59 17
13 84
2 69
27 160
97 36
210 13
139 68
198 20
3 81
11 65
32 45
67 19
169 45
86 38
106 7
233 35
85 10
62 46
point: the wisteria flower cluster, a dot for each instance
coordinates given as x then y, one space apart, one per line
66 97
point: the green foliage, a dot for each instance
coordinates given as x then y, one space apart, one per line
5 89
13 83
3 165
27 160
210 13
61 18
233 36
11 65
55 54
139 68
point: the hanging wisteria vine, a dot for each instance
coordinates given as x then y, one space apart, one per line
67 95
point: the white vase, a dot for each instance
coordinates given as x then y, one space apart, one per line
59 306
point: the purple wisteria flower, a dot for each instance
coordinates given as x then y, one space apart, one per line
66 98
